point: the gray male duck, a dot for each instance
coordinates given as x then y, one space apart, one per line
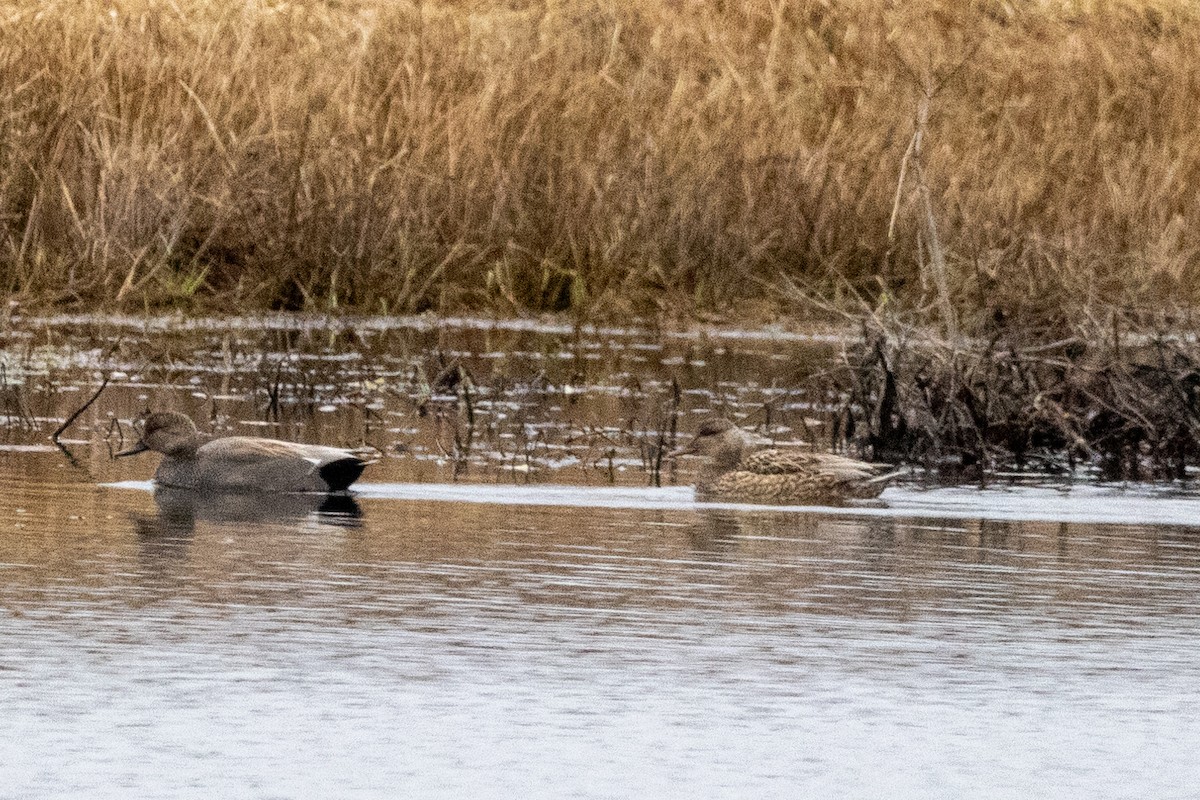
740 469
241 463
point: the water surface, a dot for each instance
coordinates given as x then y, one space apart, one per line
542 627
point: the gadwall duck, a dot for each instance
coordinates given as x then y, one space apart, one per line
241 463
739 469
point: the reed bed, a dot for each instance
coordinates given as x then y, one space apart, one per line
1120 398
607 158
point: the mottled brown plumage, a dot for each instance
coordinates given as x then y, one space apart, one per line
739 469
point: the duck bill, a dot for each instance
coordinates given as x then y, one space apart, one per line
687 450
140 447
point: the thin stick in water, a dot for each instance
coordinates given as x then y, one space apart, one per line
61 428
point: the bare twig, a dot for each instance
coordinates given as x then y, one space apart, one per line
67 423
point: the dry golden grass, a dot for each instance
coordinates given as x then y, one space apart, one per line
608 156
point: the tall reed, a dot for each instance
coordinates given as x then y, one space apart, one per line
601 156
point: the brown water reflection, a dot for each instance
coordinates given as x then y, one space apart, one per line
589 406
168 645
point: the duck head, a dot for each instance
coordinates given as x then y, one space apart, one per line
721 441
166 432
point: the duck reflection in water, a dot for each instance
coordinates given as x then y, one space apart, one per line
723 534
338 509
167 534
715 534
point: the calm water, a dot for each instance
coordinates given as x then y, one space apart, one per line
543 623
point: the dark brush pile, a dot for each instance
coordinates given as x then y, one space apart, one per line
1126 404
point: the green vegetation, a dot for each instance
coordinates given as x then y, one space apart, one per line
608 158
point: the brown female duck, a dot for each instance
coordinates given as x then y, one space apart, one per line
739 469
241 463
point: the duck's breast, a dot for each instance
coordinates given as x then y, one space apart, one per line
755 487
179 473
